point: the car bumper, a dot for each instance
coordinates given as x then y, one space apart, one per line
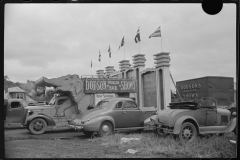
79 128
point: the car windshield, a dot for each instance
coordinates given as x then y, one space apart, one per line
102 104
52 101
24 103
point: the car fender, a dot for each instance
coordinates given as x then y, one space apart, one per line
179 122
231 125
49 120
94 123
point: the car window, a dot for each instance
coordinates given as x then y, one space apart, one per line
15 105
102 104
119 105
61 101
130 105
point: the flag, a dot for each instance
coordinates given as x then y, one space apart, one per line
122 43
156 33
109 50
137 37
99 59
91 63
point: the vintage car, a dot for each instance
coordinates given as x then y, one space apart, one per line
112 114
47 117
15 111
189 119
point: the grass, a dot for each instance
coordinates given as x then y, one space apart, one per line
169 147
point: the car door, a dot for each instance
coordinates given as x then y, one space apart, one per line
15 113
58 112
117 115
130 114
200 115
211 119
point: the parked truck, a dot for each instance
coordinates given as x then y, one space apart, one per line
15 111
56 114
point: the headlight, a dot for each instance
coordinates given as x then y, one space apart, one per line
30 112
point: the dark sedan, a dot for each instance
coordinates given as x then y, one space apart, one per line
112 114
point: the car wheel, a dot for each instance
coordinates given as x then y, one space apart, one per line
38 126
106 128
188 132
88 133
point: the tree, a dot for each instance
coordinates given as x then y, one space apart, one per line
6 78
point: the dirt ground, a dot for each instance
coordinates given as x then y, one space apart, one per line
58 143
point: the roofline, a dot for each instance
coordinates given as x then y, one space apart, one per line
206 77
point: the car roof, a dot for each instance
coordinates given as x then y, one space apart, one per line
119 99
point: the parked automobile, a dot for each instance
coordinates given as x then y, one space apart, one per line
15 111
110 115
47 117
189 119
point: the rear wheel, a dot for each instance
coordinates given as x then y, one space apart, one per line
188 132
38 126
106 128
88 133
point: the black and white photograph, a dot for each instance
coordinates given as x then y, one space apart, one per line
120 80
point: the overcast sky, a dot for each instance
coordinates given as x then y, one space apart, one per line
54 40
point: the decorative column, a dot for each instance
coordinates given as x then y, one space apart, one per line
139 65
100 73
163 79
124 65
109 70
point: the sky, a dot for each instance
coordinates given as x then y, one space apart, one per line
55 40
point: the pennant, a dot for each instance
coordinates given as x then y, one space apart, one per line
137 37
99 59
156 33
109 50
122 43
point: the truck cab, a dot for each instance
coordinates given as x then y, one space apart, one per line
16 111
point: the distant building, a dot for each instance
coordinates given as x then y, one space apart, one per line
17 93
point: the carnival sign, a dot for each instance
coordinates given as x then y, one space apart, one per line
110 85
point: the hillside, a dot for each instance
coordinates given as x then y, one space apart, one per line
9 84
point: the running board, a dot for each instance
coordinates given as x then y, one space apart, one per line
132 128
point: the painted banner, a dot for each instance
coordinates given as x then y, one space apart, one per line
110 85
99 97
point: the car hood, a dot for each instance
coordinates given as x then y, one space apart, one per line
37 107
89 114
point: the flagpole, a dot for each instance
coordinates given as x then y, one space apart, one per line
124 51
91 67
161 43
139 47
